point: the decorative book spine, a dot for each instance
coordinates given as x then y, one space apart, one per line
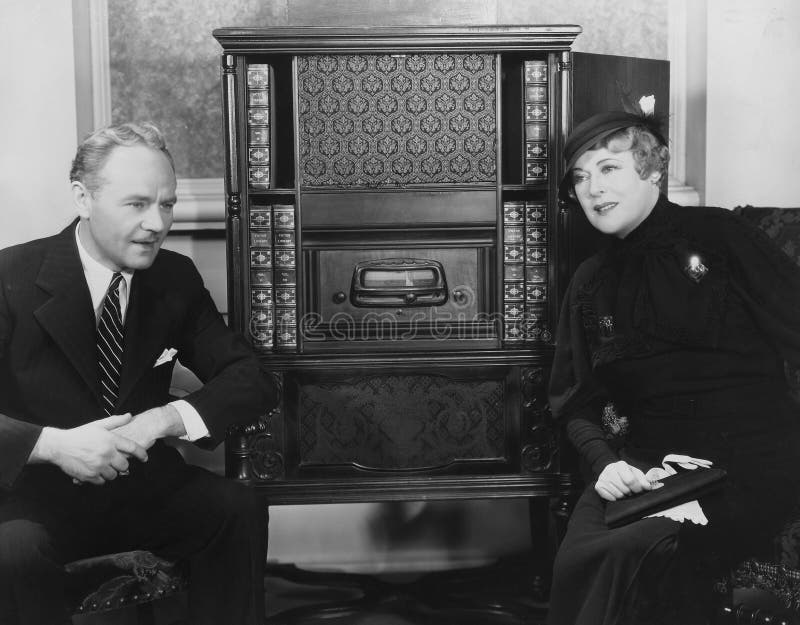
536 116
536 256
258 126
285 276
262 307
534 326
513 271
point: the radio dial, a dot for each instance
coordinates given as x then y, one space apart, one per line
459 297
410 298
339 298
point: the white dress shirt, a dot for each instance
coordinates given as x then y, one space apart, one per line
98 278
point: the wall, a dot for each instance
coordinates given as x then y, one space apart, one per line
149 36
37 118
752 125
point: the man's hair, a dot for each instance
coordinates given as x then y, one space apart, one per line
649 154
95 149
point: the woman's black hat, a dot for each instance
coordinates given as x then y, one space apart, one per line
595 129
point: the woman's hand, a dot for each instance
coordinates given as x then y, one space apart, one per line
619 479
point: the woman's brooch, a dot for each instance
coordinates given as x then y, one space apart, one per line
614 423
695 268
606 323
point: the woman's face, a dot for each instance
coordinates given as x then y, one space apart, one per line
613 196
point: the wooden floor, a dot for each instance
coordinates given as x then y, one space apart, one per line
502 594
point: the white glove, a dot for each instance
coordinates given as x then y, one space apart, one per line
685 462
690 510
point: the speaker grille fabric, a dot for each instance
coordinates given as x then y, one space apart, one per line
395 120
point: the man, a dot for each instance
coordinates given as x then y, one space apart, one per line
91 323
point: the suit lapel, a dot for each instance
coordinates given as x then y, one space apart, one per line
146 326
68 316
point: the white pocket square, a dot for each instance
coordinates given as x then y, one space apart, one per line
167 355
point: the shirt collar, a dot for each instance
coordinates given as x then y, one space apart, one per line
98 277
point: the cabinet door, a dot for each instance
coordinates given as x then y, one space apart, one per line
600 81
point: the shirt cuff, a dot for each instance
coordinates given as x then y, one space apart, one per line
192 421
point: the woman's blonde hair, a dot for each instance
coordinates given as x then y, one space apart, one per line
649 154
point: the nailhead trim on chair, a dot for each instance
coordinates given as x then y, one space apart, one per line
135 577
782 581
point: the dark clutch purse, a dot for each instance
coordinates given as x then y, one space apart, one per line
677 489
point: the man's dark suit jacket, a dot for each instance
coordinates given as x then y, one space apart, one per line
48 359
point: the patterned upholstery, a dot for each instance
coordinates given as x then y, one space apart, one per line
782 582
122 579
783 226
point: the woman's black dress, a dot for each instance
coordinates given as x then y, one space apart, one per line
695 362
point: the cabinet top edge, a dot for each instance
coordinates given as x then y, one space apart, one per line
394 38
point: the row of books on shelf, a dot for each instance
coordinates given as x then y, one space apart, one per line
536 116
525 272
273 277
258 126
525 224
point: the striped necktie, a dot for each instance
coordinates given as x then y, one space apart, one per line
109 345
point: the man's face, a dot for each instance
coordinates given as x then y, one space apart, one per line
124 222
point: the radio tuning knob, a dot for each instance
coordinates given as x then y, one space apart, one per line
459 297
339 298
410 298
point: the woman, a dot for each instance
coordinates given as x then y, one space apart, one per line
679 331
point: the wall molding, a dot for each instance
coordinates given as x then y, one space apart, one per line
676 49
683 194
677 44
101 68
201 201
201 204
398 561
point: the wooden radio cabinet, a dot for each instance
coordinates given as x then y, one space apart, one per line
397 255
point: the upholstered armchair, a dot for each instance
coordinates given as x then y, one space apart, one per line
769 592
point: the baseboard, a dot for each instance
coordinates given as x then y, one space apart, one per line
407 561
